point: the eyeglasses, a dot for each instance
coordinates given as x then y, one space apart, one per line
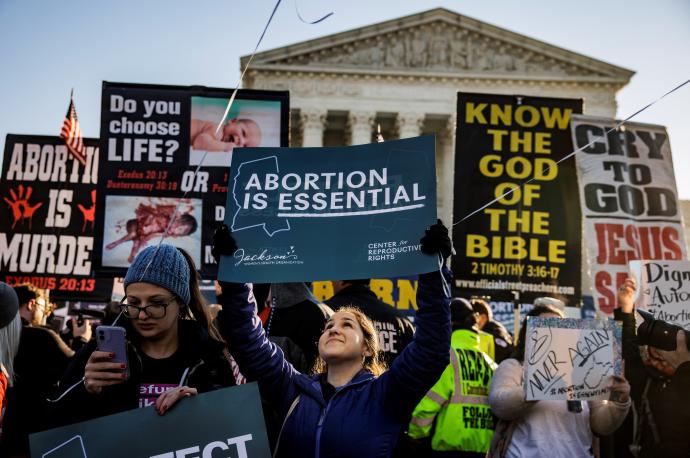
155 310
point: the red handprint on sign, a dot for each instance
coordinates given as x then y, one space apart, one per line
89 213
21 209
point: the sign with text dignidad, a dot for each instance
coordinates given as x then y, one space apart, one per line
568 358
664 290
302 214
227 422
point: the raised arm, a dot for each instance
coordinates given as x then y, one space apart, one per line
257 357
422 362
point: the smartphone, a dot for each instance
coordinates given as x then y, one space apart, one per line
112 339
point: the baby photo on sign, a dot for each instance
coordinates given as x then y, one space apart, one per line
249 123
132 223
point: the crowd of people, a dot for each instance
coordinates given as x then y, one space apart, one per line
351 377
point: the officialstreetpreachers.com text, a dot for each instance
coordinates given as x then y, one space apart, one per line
515 286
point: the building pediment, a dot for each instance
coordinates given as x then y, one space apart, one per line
438 42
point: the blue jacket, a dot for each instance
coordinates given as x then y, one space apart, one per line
363 418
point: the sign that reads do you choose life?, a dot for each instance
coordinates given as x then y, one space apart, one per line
301 214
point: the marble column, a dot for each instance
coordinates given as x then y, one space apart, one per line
409 124
313 125
361 125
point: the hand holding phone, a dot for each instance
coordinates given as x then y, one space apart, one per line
108 365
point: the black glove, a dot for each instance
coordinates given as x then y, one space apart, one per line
223 242
436 240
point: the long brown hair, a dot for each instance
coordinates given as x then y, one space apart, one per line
373 363
198 309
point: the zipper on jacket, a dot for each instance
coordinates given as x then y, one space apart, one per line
324 412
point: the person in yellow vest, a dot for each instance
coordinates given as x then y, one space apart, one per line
457 408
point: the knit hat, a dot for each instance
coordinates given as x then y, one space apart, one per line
164 266
9 304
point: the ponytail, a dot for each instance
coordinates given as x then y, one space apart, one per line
197 308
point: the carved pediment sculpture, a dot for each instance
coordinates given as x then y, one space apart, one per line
438 41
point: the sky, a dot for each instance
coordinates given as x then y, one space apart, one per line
47 48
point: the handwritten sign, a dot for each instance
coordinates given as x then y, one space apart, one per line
568 358
664 290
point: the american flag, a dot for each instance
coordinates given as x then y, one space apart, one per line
71 133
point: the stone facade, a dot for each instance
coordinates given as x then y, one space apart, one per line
404 75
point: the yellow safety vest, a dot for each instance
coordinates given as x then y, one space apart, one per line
459 401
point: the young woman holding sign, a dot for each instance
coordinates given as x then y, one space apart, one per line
350 406
171 353
548 428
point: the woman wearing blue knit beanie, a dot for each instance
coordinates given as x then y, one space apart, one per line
172 353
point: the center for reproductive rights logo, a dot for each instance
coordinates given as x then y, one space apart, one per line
264 197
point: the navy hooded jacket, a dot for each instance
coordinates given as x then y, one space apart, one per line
363 418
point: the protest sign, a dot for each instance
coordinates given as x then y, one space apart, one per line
569 358
47 217
301 214
165 167
629 200
664 290
528 240
227 421
400 293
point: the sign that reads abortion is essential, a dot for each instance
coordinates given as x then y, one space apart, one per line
664 290
301 214
568 358
204 425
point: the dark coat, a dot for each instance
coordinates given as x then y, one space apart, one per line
40 362
668 399
364 417
503 342
202 355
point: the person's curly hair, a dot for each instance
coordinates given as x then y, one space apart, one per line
373 363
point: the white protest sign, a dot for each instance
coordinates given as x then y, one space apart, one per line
568 358
664 290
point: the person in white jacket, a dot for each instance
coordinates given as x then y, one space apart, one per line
549 428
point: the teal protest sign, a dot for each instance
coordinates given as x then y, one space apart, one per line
227 422
301 214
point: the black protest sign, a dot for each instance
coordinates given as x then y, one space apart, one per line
47 217
204 425
508 148
165 164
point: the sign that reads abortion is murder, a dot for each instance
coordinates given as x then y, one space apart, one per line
302 214
508 150
568 358
664 290
629 200
164 167
47 217
202 426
